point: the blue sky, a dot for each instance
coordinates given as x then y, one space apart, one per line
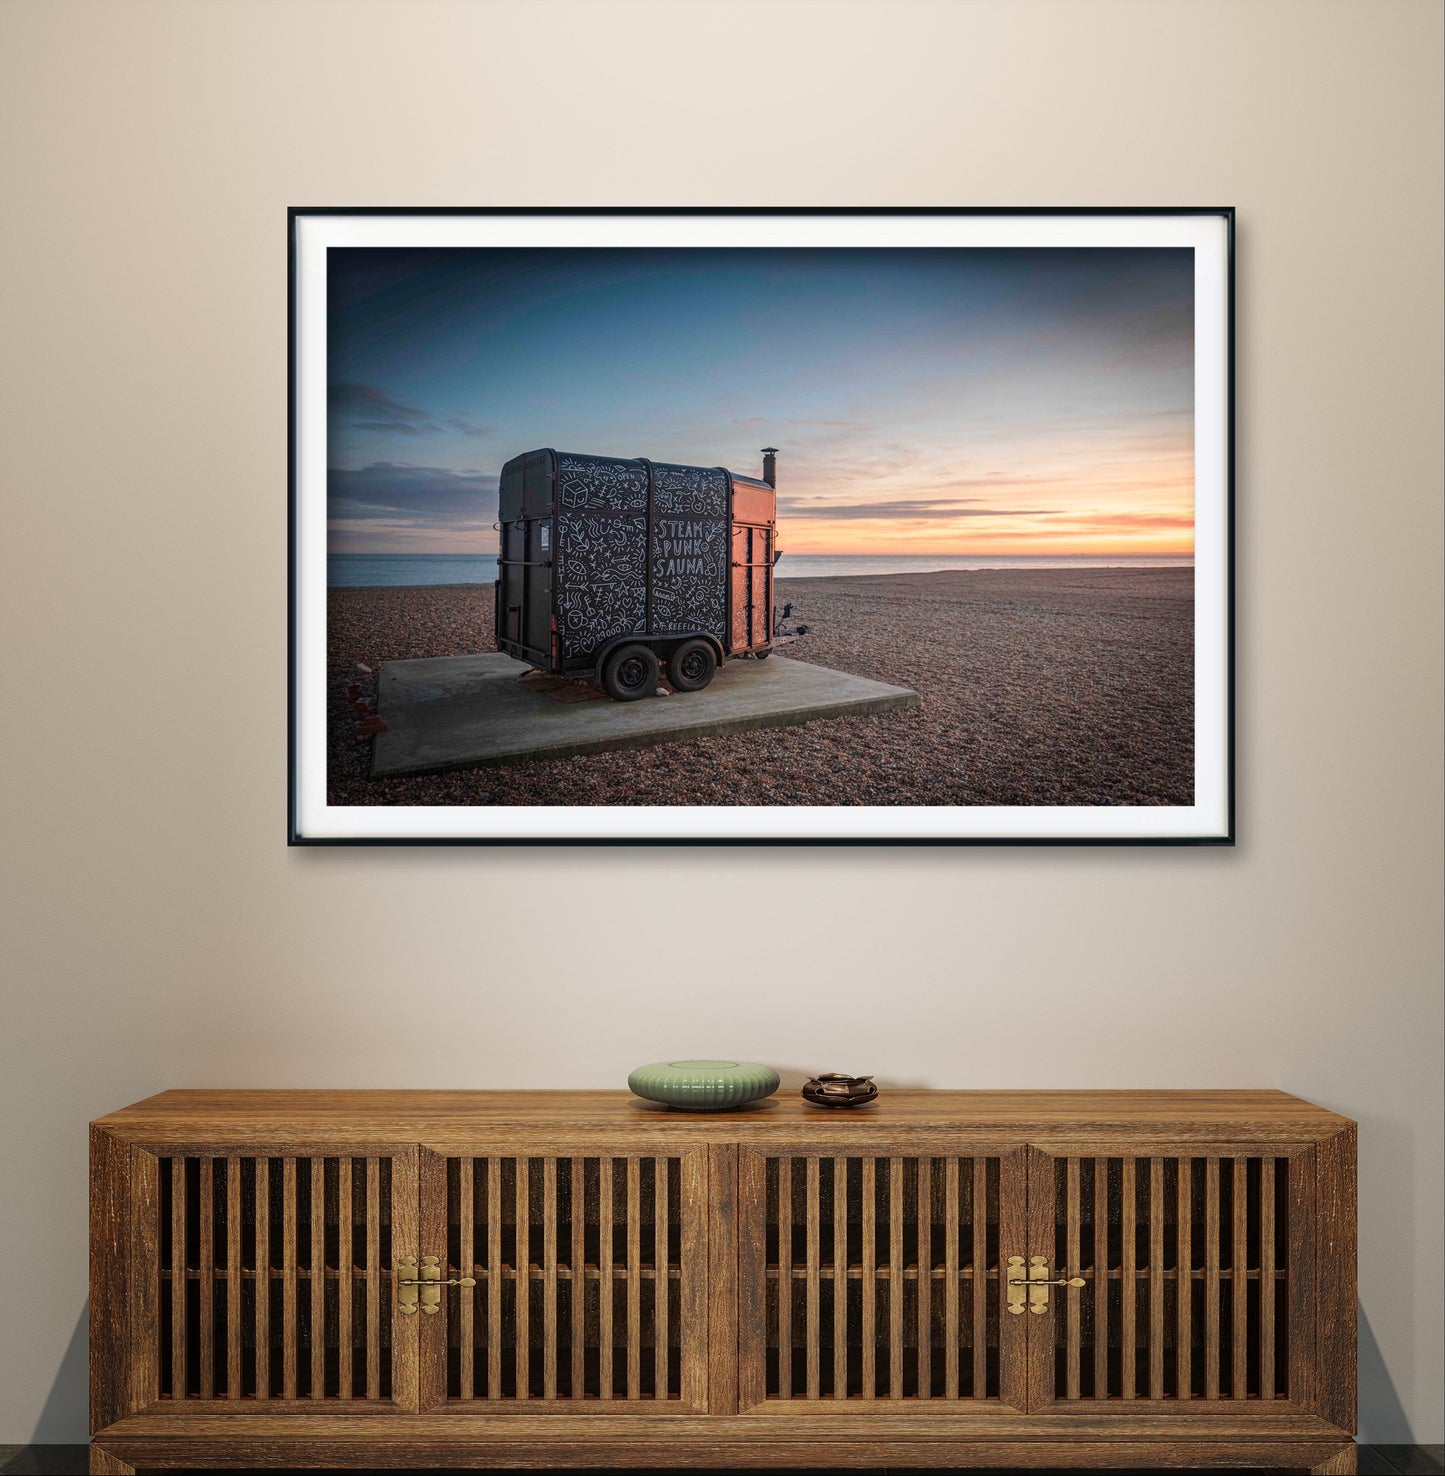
924 401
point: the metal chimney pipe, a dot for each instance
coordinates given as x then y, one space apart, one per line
770 465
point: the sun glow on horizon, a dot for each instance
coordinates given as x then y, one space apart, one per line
926 402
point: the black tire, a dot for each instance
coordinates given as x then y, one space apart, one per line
762 655
692 666
629 672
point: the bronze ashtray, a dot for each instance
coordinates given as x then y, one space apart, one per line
834 1089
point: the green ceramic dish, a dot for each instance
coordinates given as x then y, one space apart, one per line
703 1086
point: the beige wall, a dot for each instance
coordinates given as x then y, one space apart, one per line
161 933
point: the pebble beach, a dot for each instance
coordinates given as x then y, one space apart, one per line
1037 687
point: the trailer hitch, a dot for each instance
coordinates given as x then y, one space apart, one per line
781 630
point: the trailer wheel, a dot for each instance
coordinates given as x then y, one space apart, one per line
628 673
763 655
691 667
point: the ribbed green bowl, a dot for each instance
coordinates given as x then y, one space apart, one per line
703 1086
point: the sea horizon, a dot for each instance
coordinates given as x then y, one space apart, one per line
366 571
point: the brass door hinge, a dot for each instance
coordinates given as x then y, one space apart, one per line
423 1287
1033 1287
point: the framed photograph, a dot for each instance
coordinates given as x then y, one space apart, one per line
761 526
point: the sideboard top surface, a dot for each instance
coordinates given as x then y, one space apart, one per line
429 1116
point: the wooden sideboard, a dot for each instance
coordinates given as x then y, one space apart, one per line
468 1279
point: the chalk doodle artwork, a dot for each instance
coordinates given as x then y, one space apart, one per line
594 482
699 490
601 579
690 546
603 550
689 576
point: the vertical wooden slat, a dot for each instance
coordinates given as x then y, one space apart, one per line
840 1278
288 1278
812 1209
604 1273
1101 1278
494 1278
423 1340
1320 1329
1156 1278
263 1278
318 1278
707 1303
870 1277
549 1278
125 1259
723 1302
466 1266
522 1281
125 1267
1069 1303
950 1278
1184 1282
180 1281
345 1261
925 1277
982 1291
660 1285
785 1278
1266 1279
233 1277
206 1274
373 1278
1211 1278
1239 1261
1022 1203
579 1278
408 1210
1319 1312
634 1278
1128 1280
895 1278
740 1211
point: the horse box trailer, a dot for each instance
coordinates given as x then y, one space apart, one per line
612 568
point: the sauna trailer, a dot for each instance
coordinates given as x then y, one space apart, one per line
614 569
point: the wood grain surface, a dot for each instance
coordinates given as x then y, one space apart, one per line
420 1116
860 1452
839 1281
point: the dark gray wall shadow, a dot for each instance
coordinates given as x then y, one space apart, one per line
64 1417
1382 1416
44 1460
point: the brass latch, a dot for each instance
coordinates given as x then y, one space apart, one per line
427 1281
1033 1287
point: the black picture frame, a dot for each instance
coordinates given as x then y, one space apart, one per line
1225 836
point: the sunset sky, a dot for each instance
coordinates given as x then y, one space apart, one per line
934 401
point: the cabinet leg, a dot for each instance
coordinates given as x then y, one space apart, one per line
102 1463
1343 1463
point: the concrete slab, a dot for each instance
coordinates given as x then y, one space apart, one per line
461 711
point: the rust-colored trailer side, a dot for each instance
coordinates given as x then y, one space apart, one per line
754 533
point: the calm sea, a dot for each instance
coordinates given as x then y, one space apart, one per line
351 571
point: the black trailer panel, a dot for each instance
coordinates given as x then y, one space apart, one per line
689 540
525 583
601 553
595 549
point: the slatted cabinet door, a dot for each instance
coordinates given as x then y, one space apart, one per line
589 1274
276 1279
1197 1263
874 1278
